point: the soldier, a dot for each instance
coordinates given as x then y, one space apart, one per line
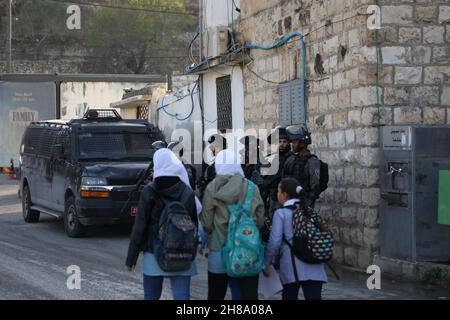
250 162
217 143
302 165
271 182
159 144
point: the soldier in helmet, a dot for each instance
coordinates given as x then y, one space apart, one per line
159 144
271 182
250 160
302 164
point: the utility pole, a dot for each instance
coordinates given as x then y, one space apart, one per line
9 47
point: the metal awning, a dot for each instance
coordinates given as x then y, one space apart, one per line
132 102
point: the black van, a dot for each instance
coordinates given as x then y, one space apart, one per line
85 170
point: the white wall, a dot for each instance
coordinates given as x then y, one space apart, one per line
168 124
210 97
76 97
220 12
217 13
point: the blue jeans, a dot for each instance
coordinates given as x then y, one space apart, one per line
180 287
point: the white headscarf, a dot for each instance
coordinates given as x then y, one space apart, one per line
166 164
227 163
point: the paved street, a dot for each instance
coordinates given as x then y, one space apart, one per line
34 259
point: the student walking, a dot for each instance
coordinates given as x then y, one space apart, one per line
165 229
293 272
228 188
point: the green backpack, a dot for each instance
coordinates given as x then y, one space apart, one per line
243 251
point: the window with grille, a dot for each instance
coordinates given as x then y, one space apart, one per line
142 112
224 110
46 142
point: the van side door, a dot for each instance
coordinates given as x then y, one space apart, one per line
31 163
46 165
61 170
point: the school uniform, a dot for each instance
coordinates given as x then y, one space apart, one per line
309 276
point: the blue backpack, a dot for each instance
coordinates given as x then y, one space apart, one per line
243 251
175 246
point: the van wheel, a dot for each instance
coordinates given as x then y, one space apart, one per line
72 225
29 215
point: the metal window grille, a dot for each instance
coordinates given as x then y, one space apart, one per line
46 142
224 109
142 112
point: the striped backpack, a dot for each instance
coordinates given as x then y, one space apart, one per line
312 242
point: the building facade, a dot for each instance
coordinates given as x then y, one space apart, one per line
358 78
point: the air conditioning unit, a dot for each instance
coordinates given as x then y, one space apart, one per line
217 41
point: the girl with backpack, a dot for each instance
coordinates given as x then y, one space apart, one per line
170 190
228 188
293 271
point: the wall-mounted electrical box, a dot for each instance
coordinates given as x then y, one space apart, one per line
291 108
411 162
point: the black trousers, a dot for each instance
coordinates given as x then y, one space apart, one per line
312 290
218 284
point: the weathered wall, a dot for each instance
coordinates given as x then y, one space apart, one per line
347 102
339 104
416 53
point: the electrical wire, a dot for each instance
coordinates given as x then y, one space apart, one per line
200 103
191 56
280 43
260 77
237 9
379 70
176 115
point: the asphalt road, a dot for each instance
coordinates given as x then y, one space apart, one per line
34 259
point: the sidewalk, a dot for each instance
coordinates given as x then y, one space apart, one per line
351 286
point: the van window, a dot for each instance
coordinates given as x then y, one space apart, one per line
31 140
62 138
46 142
115 145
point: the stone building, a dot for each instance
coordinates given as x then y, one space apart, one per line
357 80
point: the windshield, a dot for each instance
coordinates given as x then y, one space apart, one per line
115 145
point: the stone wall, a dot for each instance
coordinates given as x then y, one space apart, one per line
43 66
416 54
347 99
341 98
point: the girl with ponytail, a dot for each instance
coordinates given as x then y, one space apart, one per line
293 272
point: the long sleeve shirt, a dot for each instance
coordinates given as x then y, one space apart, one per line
282 227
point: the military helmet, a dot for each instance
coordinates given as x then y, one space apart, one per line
217 141
177 147
173 144
282 134
296 132
159 144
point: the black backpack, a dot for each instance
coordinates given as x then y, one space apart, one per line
298 167
175 246
324 175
